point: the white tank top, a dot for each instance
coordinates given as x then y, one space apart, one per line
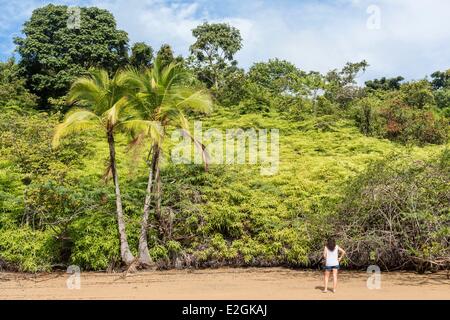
332 257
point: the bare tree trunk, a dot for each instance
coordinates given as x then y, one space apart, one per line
144 256
125 253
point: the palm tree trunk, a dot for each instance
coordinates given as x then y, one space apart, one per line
144 256
125 253
158 213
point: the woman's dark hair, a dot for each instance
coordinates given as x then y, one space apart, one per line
331 244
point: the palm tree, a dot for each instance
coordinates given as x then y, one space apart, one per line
104 106
163 96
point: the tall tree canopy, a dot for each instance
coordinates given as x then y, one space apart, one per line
441 79
441 89
53 54
347 75
278 76
384 83
341 84
165 56
214 50
141 55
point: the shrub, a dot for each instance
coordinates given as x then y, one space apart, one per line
397 121
367 116
224 219
27 250
442 98
25 139
396 214
95 242
13 92
232 91
417 93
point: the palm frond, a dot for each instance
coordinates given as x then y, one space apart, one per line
113 114
85 90
100 77
131 78
189 99
92 91
74 122
151 129
184 100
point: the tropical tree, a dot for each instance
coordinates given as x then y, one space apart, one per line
213 51
165 56
313 83
276 76
341 85
53 53
440 79
141 55
385 84
105 107
418 94
163 95
441 89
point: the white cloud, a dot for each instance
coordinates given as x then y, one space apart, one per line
155 22
413 40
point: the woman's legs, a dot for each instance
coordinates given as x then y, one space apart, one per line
325 280
335 273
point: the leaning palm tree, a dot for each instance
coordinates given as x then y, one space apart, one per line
163 96
101 104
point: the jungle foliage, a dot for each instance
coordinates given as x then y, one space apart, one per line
369 164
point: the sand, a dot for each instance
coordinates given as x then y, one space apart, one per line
224 283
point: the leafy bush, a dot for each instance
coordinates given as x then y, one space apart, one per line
95 242
396 214
442 98
232 91
28 250
13 93
397 121
25 139
417 93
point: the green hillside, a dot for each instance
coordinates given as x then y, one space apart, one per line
90 174
229 215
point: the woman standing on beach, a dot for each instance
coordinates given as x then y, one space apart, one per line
332 259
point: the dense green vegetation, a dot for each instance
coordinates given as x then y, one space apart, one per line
53 54
369 164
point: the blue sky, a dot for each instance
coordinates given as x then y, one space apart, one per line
411 38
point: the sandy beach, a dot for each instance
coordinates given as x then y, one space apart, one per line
223 283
